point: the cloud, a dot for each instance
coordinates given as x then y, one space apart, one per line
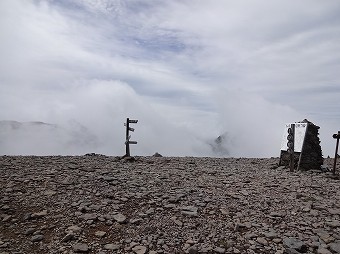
188 70
95 111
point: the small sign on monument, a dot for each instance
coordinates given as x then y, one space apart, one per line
299 136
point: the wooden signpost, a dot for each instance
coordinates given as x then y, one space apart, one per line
337 137
127 139
290 145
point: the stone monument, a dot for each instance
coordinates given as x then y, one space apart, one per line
307 152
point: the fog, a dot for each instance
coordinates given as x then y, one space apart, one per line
92 116
188 71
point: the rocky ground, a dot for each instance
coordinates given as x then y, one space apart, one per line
100 204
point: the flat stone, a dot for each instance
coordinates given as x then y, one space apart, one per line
291 251
37 238
80 247
276 214
50 193
39 214
189 210
294 243
7 218
219 250
29 231
76 229
120 218
136 220
89 216
139 249
178 223
335 247
250 235
270 234
68 237
150 211
193 250
111 246
224 211
334 211
323 251
170 206
277 240
333 224
100 233
262 241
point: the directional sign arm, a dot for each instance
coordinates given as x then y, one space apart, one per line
131 142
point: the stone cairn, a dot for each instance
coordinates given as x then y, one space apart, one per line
311 155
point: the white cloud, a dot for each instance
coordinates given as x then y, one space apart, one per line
189 70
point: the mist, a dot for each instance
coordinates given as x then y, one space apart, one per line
92 116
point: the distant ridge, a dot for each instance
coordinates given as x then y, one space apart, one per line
41 138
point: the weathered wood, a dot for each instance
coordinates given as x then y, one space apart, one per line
127 147
127 137
337 137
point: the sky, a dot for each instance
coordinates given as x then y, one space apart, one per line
188 70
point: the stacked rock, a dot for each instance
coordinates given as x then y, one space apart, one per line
311 157
311 154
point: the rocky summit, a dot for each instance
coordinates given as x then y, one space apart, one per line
102 204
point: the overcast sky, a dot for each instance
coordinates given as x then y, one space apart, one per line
188 70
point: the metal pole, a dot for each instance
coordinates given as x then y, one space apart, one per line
336 150
127 145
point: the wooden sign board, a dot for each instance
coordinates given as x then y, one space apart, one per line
300 134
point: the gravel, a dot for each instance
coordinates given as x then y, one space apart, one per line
101 204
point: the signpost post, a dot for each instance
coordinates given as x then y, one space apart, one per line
290 145
127 139
337 137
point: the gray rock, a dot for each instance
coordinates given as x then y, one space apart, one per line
270 234
111 246
139 249
333 224
75 229
189 210
334 211
39 214
68 237
120 218
291 251
335 247
323 251
262 241
29 231
80 247
37 238
100 233
276 214
89 216
150 211
193 250
294 243
219 250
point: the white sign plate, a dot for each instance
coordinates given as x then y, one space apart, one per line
300 133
